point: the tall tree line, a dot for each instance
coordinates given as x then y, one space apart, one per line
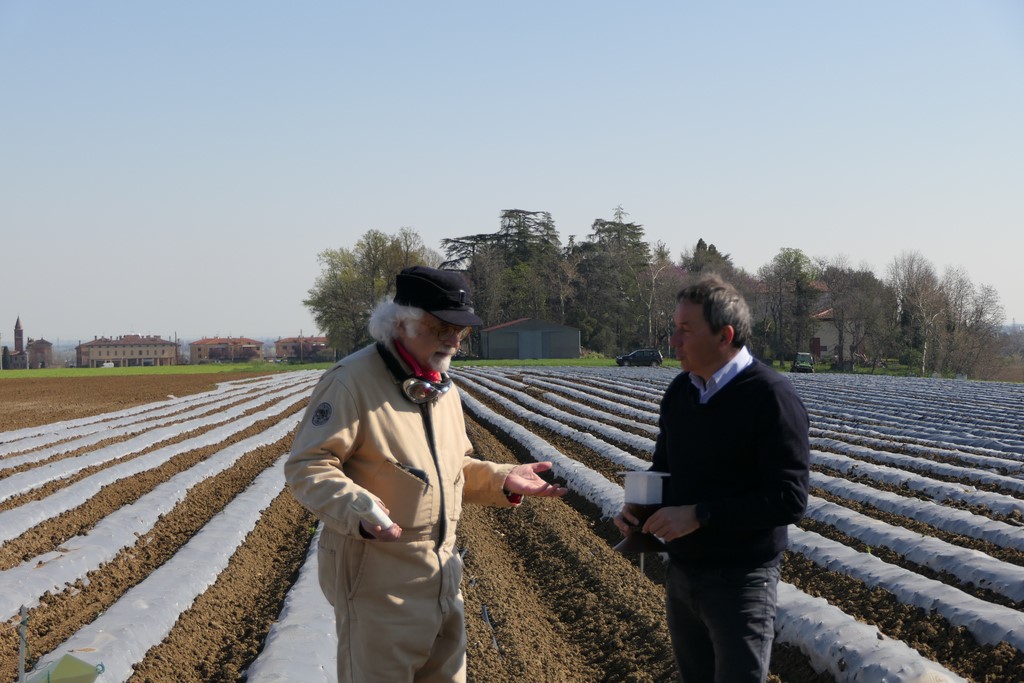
619 291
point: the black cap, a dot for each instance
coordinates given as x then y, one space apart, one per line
443 293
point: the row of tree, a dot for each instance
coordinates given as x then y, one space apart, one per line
619 291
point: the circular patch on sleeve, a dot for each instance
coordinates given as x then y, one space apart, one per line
322 414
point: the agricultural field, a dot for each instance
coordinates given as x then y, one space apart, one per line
145 526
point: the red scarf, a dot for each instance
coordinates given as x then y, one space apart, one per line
417 369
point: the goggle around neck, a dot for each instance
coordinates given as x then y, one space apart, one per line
416 389
419 390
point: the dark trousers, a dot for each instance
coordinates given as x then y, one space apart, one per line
722 622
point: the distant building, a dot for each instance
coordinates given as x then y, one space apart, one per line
225 350
38 353
825 344
303 349
126 351
529 338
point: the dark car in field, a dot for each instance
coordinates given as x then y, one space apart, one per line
640 357
804 363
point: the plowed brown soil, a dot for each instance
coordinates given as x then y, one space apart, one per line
547 599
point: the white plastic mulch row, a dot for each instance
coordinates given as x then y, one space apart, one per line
639 380
642 399
154 434
988 623
615 412
933 488
640 443
969 566
925 410
971 415
32 437
910 462
645 417
211 405
953 520
997 463
853 652
17 439
612 453
26 583
914 398
142 618
178 409
826 427
16 521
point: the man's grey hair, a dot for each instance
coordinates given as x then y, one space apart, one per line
387 316
723 305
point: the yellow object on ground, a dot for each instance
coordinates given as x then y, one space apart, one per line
67 669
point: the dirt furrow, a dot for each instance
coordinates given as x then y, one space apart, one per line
220 635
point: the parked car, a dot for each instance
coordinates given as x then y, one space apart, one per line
804 363
640 357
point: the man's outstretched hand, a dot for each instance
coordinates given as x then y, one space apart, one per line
525 480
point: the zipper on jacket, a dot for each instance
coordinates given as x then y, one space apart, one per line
428 427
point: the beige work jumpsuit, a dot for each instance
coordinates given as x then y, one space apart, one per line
398 605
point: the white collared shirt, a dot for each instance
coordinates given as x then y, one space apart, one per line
722 377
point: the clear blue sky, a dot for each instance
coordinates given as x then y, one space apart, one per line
175 168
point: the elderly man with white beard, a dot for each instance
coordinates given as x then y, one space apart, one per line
385 429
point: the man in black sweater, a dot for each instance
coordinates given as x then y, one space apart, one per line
734 438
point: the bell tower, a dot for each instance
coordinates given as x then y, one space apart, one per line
19 340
